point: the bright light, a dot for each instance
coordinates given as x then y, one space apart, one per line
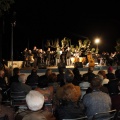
97 40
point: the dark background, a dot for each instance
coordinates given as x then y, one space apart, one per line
41 20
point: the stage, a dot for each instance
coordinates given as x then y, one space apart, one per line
83 70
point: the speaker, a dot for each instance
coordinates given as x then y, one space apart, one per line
42 66
61 65
79 64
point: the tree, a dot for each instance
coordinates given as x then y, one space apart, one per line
5 6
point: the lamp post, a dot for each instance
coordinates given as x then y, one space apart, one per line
12 26
97 40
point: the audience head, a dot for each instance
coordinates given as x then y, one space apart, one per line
96 82
76 71
33 71
2 73
22 78
34 100
69 76
110 69
71 93
61 70
16 71
103 73
48 72
52 77
90 69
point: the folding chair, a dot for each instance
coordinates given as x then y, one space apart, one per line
108 115
18 99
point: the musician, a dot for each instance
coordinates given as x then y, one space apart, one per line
25 57
48 57
63 56
40 56
68 56
30 59
34 52
57 56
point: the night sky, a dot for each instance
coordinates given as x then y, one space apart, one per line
41 20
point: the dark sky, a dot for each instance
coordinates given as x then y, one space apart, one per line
41 20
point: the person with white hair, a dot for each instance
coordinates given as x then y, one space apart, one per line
35 103
20 86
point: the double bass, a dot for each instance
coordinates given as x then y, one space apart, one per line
90 60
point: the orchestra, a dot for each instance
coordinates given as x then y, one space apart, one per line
67 55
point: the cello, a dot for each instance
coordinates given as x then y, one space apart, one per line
90 60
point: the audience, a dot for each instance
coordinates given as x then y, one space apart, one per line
96 101
89 75
77 76
33 78
110 75
6 110
70 108
20 86
70 95
60 76
105 80
116 99
14 78
102 88
35 101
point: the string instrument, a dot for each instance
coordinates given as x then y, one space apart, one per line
90 60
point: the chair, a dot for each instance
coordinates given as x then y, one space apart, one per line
108 115
81 118
18 99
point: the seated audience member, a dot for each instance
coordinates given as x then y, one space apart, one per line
89 75
110 75
3 84
47 92
101 88
60 76
47 73
35 101
117 74
6 110
84 85
44 89
112 86
96 101
53 81
103 73
14 78
68 78
33 79
77 76
116 99
20 86
71 107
